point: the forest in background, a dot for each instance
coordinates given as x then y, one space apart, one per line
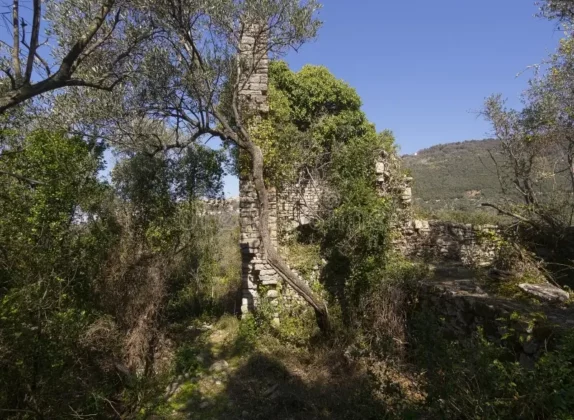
457 176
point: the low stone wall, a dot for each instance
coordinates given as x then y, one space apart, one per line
255 271
471 245
463 307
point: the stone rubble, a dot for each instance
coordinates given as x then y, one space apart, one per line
545 292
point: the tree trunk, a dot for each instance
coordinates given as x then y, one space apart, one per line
271 254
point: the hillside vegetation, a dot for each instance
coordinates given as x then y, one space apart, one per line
457 176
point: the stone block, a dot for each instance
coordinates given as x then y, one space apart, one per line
271 272
545 292
270 281
272 294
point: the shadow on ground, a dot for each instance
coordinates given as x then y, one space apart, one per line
272 381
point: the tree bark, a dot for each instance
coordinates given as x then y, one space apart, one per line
243 140
270 252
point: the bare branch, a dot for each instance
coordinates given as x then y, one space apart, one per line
508 213
16 41
37 56
35 35
81 44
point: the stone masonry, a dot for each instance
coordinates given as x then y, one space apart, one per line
253 99
297 205
471 245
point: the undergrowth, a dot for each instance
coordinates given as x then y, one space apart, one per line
478 379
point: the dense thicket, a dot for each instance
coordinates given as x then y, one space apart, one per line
91 272
318 136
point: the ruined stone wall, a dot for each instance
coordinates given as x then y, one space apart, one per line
463 307
298 205
293 204
471 245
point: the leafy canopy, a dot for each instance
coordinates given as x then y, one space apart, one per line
312 113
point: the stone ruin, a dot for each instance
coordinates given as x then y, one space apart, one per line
255 272
437 240
458 300
296 205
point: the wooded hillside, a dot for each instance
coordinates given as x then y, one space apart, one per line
455 176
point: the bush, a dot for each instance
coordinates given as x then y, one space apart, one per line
478 379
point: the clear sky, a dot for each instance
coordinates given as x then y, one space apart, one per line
423 68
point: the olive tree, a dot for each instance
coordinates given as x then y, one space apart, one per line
557 9
536 171
89 43
538 143
192 77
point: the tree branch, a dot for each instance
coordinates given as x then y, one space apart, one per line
35 35
16 41
63 77
510 214
31 182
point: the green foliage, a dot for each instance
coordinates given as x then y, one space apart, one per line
187 360
304 257
557 9
311 112
478 379
51 250
153 184
247 334
379 324
87 276
316 130
356 232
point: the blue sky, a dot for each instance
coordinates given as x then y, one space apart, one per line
423 68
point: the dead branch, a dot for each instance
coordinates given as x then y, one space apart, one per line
510 214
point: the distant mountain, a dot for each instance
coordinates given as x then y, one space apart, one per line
456 176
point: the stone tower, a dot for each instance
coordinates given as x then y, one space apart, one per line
254 83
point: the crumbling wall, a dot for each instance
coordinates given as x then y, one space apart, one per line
463 307
436 240
294 205
471 245
297 205
255 272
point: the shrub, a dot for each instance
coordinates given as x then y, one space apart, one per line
478 379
